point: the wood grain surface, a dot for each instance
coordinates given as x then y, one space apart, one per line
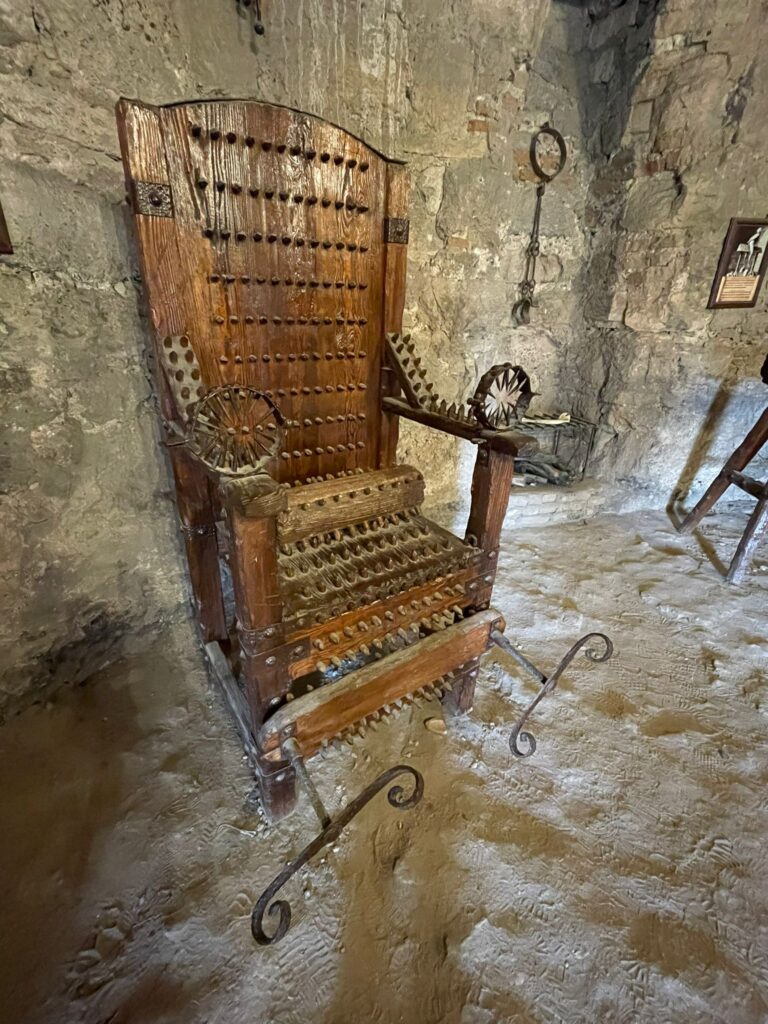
273 265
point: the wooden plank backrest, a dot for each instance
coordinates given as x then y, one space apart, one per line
261 234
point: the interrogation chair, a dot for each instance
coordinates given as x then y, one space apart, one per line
273 250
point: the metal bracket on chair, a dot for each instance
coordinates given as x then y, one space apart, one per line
331 830
548 683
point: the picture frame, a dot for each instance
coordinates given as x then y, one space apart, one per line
742 265
6 249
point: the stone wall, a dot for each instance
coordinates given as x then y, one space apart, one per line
662 116
675 102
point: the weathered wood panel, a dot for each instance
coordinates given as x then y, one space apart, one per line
324 713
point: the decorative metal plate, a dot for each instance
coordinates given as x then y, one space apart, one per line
396 230
235 430
502 396
152 199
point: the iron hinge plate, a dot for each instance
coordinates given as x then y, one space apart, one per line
152 199
396 230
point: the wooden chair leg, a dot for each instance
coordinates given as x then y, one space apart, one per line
462 697
745 452
198 522
491 483
279 792
756 528
258 605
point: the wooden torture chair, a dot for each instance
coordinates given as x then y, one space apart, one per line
732 474
273 249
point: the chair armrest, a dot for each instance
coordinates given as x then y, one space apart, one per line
420 403
507 441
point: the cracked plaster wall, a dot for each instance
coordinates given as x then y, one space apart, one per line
90 555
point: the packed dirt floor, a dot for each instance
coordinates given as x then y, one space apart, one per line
618 875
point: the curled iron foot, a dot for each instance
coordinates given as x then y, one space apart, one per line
281 909
548 683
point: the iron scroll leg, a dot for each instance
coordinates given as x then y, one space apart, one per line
548 683
331 829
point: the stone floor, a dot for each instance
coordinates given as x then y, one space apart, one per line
618 875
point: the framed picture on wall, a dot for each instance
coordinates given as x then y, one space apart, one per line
5 242
742 265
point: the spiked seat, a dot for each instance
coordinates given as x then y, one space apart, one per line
369 586
273 247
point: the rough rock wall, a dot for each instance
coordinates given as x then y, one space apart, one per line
675 97
90 554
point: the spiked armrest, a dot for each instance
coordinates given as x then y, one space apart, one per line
506 441
418 401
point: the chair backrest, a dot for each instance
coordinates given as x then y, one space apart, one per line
264 236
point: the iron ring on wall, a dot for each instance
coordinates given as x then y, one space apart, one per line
547 129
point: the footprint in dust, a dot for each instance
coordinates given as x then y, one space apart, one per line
672 723
672 945
390 846
613 704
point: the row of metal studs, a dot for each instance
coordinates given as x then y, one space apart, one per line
328 450
298 197
298 241
299 282
291 357
309 154
318 421
341 418
306 390
314 321
327 244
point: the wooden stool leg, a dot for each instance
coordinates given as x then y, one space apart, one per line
756 527
746 451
